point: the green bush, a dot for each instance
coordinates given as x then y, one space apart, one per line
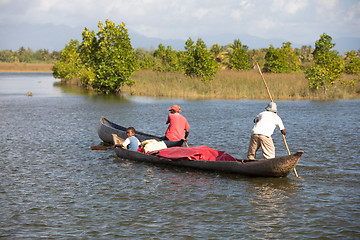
328 65
198 61
110 56
69 64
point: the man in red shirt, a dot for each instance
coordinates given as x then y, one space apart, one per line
178 125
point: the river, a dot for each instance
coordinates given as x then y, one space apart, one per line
52 186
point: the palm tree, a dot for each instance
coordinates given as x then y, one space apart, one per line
306 53
219 54
234 49
237 45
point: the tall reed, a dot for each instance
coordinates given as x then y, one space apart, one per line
25 67
236 85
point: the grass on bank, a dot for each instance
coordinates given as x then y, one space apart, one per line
226 84
237 85
25 67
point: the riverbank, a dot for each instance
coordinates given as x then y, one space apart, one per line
238 85
226 84
26 67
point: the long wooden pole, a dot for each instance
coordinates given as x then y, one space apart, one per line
287 148
267 89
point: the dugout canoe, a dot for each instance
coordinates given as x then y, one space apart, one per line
275 167
106 128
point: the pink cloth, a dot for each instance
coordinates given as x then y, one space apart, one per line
203 153
178 124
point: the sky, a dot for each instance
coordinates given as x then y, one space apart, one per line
297 21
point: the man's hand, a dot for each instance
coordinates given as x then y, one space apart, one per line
283 132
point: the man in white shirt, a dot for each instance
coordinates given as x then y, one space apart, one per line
265 124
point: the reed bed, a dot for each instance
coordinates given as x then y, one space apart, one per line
237 85
25 67
226 84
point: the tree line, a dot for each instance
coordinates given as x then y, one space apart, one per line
23 55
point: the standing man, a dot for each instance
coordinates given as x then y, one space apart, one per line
178 125
265 124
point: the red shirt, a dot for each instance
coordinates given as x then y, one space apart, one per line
178 124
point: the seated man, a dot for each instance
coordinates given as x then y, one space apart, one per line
178 125
131 142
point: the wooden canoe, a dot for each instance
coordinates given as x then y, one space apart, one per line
106 128
275 167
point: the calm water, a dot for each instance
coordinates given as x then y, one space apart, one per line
52 186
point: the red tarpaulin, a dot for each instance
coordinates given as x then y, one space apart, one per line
194 153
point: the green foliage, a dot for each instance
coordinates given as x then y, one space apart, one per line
315 75
352 63
240 59
305 56
238 56
237 45
291 57
145 58
109 55
220 55
69 64
305 53
257 56
23 54
166 59
282 60
216 52
198 61
328 64
103 61
29 56
275 61
88 48
7 56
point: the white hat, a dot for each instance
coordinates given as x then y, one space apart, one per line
271 107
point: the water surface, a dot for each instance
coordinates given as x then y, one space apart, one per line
53 186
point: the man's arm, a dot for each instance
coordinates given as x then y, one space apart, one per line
186 134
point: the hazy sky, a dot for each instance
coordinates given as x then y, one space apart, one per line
295 20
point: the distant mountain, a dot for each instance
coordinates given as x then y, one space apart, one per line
140 41
54 37
251 41
341 44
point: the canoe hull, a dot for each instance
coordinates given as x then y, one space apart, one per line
275 167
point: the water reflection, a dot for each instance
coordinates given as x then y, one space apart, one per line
69 89
108 99
111 98
268 200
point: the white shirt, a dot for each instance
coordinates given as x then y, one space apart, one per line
133 143
267 122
